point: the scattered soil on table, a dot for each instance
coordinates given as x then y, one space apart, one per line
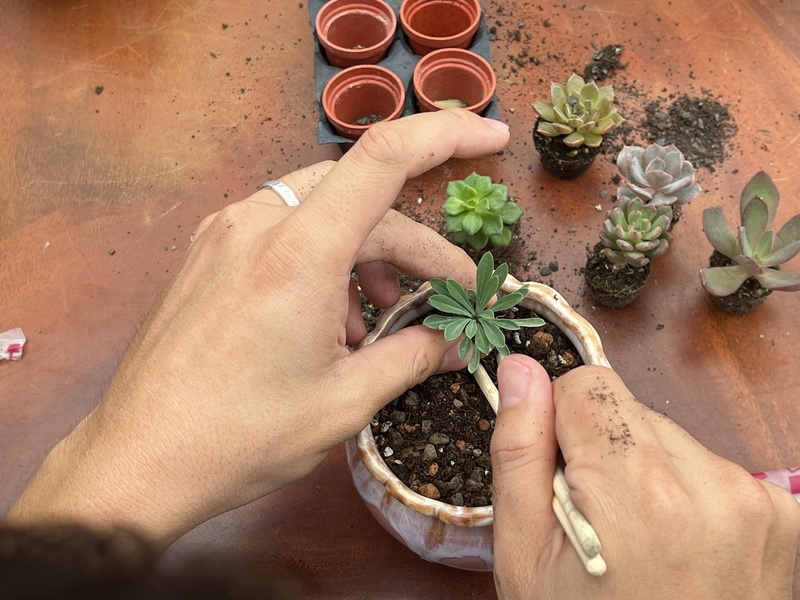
604 63
699 127
436 436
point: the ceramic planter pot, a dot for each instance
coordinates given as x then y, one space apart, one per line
456 536
434 24
562 161
360 96
454 74
355 32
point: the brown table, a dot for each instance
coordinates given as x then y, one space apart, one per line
124 125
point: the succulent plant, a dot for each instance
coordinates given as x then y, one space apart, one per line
635 232
658 175
755 248
478 212
578 110
468 313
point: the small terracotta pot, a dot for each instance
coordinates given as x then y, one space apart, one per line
434 24
450 74
456 536
359 92
355 32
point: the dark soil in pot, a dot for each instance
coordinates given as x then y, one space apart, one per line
436 436
501 254
749 295
609 287
560 160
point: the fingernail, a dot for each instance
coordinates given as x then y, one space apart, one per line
451 361
514 381
495 124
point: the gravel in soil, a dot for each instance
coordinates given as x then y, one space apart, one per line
436 437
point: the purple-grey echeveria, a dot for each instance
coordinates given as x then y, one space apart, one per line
755 248
658 175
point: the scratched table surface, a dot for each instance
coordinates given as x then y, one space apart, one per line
124 124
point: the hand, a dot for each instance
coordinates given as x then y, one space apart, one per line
675 520
241 381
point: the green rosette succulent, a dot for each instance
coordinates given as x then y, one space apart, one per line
635 232
755 248
658 175
581 111
478 212
467 312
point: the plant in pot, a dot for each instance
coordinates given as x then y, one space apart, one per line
479 213
398 480
659 176
745 265
570 128
619 264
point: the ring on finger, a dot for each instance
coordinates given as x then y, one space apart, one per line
285 193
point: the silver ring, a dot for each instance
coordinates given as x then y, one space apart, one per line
284 191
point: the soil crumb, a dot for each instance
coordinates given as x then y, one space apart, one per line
604 63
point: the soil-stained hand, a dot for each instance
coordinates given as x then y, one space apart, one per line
675 520
241 380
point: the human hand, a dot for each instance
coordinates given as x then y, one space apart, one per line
241 380
675 520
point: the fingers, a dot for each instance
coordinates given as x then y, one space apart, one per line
355 329
378 280
523 461
416 250
302 182
360 188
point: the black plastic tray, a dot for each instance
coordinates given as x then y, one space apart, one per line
400 59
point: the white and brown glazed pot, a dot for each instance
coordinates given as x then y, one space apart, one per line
456 536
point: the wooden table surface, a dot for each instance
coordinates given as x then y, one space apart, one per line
124 124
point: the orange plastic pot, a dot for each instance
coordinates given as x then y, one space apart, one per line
355 32
454 74
434 24
359 93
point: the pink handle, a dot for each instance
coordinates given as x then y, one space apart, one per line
788 479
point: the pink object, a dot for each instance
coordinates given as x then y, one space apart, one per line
788 479
455 536
11 343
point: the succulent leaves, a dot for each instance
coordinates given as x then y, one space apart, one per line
754 248
658 175
580 111
634 232
467 312
478 212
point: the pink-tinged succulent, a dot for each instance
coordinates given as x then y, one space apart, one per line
634 232
755 248
658 175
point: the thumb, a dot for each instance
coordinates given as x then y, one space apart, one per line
378 373
524 452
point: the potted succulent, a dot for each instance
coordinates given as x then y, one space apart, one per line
744 267
434 24
355 32
618 266
357 97
570 128
479 212
439 531
454 78
658 175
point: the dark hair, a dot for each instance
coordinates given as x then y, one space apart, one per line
67 562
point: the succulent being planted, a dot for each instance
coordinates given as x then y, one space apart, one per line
658 175
618 267
479 212
744 268
571 126
468 312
